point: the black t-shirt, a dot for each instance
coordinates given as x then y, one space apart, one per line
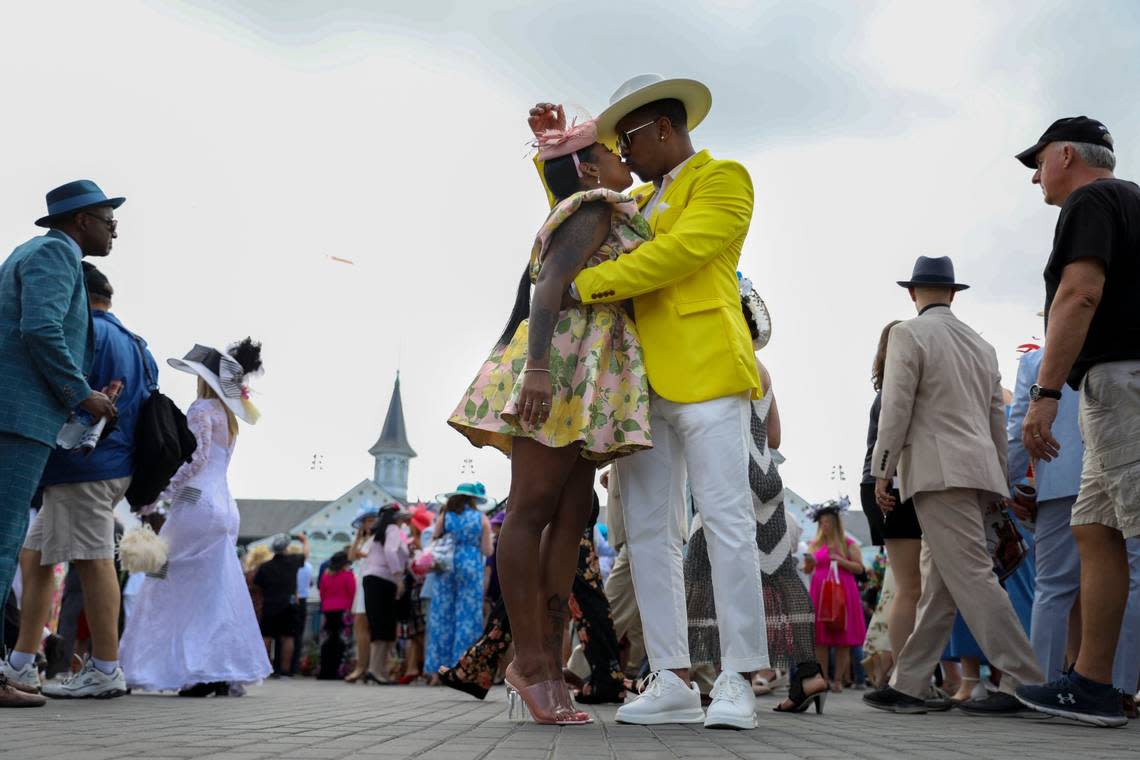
1102 221
277 580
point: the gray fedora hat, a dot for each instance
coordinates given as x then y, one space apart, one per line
933 273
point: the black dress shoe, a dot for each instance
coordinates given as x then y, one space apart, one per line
995 703
895 701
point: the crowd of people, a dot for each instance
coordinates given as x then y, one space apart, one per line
1009 521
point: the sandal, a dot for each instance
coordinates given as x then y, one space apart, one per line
799 700
448 677
587 696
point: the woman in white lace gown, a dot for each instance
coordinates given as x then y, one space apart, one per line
195 630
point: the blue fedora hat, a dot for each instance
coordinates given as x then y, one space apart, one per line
933 273
75 196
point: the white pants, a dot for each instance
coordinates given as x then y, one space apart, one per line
711 439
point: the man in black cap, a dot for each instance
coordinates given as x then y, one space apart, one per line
1092 282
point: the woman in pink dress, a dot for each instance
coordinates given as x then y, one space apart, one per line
831 546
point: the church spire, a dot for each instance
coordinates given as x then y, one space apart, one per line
394 436
392 450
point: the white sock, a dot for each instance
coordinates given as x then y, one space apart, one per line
20 660
106 667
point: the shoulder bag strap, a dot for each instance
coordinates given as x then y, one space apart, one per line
151 384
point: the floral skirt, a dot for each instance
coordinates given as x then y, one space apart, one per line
601 392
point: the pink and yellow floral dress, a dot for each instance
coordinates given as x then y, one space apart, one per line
601 392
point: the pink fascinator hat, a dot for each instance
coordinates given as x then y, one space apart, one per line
555 143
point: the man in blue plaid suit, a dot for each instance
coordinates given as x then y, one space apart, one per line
46 349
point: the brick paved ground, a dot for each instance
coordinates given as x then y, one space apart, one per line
307 719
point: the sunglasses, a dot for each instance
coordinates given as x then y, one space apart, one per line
623 140
110 222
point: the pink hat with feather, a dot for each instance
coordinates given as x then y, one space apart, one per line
555 143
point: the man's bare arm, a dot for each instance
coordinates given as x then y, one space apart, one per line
1082 284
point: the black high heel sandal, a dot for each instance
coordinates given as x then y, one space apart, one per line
448 677
796 694
589 694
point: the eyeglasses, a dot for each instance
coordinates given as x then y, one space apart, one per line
623 140
110 222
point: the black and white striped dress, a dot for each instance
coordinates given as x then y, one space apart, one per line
787 604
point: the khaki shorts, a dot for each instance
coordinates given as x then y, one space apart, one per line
77 521
1110 425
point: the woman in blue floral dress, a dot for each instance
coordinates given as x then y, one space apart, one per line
456 617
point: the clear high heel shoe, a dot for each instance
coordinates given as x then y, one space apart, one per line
541 703
567 714
530 703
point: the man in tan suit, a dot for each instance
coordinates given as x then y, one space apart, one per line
943 426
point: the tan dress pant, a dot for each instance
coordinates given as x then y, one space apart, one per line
957 574
623 608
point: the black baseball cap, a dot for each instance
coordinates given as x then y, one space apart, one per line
1078 129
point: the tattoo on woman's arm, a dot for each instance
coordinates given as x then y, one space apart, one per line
572 244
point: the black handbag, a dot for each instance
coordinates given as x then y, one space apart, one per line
163 443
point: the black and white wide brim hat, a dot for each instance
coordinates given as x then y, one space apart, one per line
757 309
225 377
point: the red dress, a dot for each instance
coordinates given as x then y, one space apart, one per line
855 631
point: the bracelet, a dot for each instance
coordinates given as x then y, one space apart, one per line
536 369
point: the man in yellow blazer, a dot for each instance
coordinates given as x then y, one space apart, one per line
702 373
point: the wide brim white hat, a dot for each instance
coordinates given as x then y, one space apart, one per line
225 377
646 88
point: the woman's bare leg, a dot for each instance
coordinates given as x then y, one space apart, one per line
842 666
538 476
558 557
903 555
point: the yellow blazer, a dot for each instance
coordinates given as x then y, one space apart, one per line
686 299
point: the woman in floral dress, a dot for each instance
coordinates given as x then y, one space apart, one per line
563 390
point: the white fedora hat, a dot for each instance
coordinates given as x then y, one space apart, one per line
224 375
646 88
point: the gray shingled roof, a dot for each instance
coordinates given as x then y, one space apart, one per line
261 518
394 437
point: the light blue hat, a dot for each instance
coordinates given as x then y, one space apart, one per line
362 514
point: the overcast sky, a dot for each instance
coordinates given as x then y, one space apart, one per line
255 139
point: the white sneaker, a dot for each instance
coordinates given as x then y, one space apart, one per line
89 683
733 703
664 698
25 679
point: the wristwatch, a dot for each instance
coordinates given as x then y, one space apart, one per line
1037 392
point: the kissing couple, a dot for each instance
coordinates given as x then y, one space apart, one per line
633 349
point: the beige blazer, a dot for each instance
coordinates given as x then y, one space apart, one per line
942 423
615 516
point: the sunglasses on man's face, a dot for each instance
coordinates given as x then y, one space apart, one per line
623 140
109 221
